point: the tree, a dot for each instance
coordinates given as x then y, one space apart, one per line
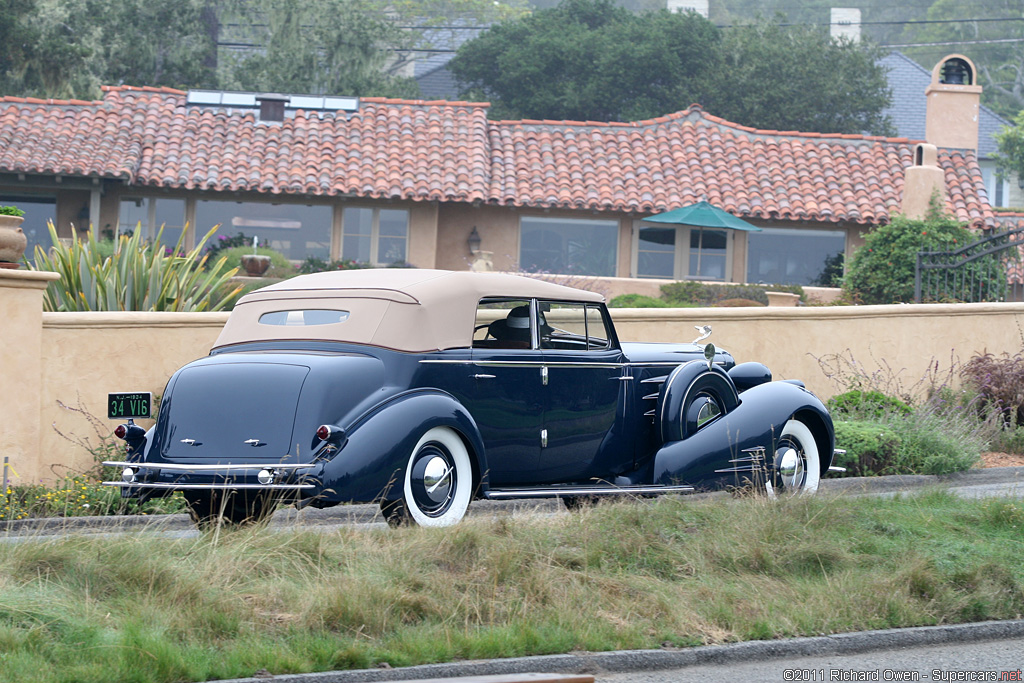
798 78
589 60
991 34
45 50
327 47
152 42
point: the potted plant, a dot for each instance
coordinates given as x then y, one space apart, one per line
255 264
12 238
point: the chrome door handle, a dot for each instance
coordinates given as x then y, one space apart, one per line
544 375
483 376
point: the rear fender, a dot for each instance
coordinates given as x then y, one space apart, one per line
372 463
756 422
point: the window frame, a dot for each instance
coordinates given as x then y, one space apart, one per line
374 231
681 257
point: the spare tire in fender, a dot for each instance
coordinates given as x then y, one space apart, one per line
688 389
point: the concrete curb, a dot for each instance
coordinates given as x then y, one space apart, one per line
368 513
653 660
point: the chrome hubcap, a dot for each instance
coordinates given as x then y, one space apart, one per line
791 469
433 480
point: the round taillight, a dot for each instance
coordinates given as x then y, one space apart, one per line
323 433
120 431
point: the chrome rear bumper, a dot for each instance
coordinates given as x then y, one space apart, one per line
268 471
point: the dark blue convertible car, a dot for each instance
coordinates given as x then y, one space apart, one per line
421 390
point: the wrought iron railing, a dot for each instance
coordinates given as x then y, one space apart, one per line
990 269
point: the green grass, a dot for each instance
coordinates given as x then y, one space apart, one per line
628 575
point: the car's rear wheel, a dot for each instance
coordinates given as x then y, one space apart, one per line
438 482
797 462
234 507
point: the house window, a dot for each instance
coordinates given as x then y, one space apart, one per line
707 256
149 214
377 236
571 246
656 253
794 257
39 211
708 252
997 188
296 230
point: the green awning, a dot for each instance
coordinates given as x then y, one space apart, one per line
703 215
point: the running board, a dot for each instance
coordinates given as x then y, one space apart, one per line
557 492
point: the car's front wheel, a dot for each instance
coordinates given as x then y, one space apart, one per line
438 482
797 462
210 508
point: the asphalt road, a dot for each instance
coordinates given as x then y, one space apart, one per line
996 660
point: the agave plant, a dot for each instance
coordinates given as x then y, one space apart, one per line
139 276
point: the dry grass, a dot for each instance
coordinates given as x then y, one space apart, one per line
630 575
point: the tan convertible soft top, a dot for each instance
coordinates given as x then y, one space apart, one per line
404 309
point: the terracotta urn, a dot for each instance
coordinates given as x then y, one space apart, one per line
12 241
255 264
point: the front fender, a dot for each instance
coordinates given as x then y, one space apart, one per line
756 422
372 463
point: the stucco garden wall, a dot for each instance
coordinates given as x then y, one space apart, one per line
76 358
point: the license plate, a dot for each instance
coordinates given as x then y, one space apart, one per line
129 405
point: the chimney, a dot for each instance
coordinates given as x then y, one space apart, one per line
272 106
922 180
845 23
953 104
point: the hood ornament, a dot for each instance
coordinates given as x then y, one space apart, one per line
705 332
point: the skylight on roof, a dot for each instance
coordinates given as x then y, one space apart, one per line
250 100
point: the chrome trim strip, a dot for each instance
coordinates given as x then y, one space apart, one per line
649 396
654 380
217 487
174 467
838 451
836 468
501 494
557 364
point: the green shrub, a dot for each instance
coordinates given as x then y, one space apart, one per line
11 211
139 276
703 294
636 301
312 264
737 303
870 446
867 404
882 270
280 266
928 440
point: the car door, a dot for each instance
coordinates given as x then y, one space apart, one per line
506 398
584 398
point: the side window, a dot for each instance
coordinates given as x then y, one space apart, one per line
572 327
502 324
563 326
597 332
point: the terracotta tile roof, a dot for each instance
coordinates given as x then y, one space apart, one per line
449 151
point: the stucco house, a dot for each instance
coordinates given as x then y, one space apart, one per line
389 181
